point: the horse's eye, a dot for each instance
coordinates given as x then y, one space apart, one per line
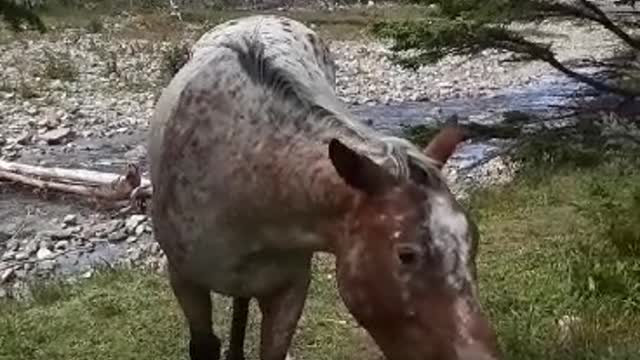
408 254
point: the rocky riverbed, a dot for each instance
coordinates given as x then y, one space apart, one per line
79 99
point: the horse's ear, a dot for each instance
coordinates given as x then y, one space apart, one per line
359 171
444 143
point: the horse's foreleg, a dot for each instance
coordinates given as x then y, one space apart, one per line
238 329
195 302
280 315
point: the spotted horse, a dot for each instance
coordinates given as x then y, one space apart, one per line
256 165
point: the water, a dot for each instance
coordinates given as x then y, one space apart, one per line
541 98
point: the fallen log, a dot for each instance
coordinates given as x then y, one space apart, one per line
99 185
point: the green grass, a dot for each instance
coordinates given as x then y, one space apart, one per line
563 245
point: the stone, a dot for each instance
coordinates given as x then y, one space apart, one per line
117 236
5 236
31 248
47 265
75 230
21 256
57 136
24 138
70 220
133 221
7 275
44 253
139 230
62 234
62 245
13 245
8 255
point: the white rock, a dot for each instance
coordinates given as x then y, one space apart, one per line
44 253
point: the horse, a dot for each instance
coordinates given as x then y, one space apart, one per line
256 165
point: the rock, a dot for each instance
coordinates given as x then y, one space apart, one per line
5 236
62 245
47 265
140 229
7 275
70 220
62 234
21 256
135 254
57 136
44 253
75 230
13 245
24 138
117 236
133 221
8 255
45 244
31 248
131 239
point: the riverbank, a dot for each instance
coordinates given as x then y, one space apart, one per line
82 96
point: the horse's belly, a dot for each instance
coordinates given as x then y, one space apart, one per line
228 270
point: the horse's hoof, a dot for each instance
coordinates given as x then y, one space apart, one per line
208 349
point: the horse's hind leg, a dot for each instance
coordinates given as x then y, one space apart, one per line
238 328
280 315
195 302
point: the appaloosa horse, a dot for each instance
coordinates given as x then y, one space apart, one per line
256 165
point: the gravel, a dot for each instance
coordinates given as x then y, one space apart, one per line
97 86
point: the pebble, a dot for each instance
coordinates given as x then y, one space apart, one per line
44 253
8 255
133 221
7 275
4 236
21 256
117 236
31 248
62 245
47 265
57 136
70 220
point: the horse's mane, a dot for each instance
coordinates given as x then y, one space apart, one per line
317 111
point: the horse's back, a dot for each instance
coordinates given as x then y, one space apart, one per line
211 142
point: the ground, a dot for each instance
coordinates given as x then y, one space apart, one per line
548 297
557 263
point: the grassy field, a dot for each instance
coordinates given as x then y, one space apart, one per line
558 244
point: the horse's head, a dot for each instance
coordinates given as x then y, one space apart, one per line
406 260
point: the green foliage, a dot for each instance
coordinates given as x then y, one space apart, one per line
174 59
608 266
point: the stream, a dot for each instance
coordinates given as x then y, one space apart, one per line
30 215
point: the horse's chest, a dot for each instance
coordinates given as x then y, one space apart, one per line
250 263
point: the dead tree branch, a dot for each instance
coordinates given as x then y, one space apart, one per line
129 186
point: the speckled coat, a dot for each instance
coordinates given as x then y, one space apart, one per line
256 165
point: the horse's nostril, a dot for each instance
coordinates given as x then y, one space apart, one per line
407 258
408 255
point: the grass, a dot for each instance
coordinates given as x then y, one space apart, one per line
153 21
565 245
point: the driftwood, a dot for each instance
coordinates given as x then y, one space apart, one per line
129 186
